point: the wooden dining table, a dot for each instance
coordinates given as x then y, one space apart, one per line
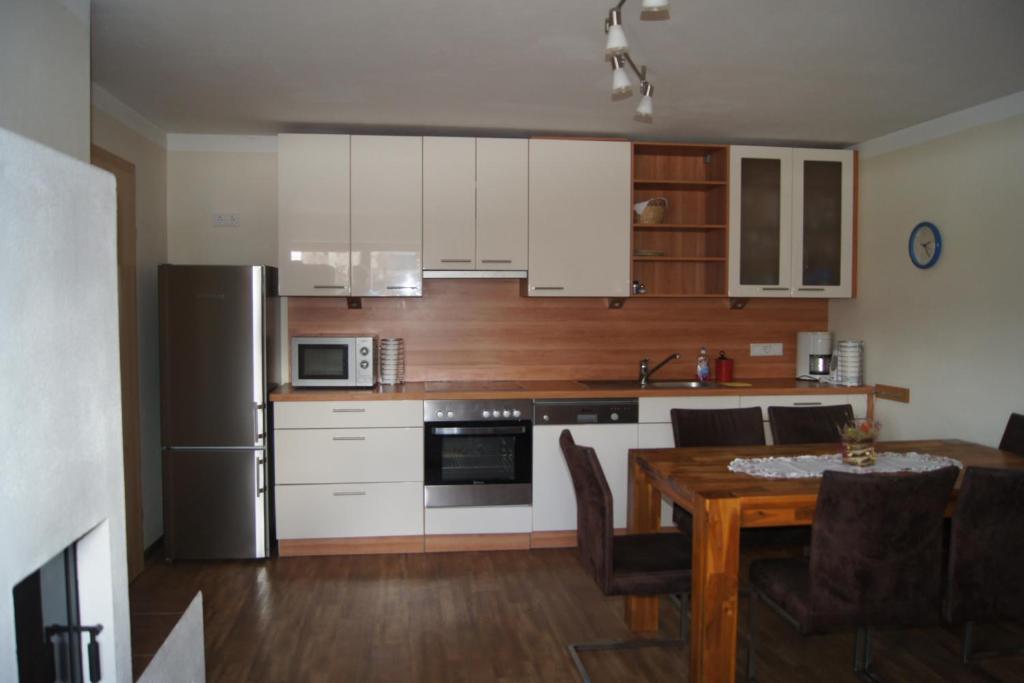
723 502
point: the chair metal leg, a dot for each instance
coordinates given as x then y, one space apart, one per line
970 655
862 657
968 641
576 648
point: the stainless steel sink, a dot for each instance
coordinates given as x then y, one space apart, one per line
632 384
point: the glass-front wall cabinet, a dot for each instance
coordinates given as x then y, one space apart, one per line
790 222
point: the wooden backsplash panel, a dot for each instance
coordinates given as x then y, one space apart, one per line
484 330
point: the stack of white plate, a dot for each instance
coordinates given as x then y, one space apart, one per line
850 363
392 360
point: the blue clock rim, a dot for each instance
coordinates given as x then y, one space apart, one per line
925 225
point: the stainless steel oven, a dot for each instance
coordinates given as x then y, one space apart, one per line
477 453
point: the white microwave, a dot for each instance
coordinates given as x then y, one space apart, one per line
334 361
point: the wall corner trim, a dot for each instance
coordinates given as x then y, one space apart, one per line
188 142
943 126
108 104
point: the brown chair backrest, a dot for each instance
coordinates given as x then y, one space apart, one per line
876 547
808 424
986 552
717 427
594 509
1013 435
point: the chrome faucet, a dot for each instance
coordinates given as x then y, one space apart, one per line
646 371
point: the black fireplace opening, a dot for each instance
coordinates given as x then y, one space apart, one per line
46 622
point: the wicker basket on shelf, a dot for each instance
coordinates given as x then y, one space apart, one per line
653 211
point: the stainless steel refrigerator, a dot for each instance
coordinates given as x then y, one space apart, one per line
218 326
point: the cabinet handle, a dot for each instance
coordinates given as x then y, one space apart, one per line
551 289
349 493
349 410
397 287
812 289
349 438
330 286
807 403
775 289
496 260
457 260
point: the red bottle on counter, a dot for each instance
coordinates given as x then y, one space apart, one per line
723 368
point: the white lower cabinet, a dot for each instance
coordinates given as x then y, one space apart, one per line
349 510
859 403
498 519
348 469
554 501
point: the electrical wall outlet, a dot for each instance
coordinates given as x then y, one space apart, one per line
227 220
766 349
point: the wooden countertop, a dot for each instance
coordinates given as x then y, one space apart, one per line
527 389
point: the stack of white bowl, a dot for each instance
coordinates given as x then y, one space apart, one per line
392 360
850 363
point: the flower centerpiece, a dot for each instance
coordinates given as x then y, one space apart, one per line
858 442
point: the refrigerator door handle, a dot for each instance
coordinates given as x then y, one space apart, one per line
257 422
261 484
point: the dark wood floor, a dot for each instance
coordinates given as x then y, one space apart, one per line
501 616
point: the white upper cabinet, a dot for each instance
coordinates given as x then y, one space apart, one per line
449 203
790 222
502 203
579 218
313 215
475 203
387 215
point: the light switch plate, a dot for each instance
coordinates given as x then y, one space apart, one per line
766 349
227 220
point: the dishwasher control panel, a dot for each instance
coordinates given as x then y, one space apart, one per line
587 411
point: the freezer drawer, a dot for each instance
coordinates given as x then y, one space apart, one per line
215 504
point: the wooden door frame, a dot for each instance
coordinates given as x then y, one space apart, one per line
128 318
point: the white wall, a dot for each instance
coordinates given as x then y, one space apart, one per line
150 160
953 334
44 72
60 433
223 174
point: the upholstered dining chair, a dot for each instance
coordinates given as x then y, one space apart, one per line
728 427
876 560
808 424
1013 435
633 564
986 553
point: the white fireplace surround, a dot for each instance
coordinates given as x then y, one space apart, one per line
61 475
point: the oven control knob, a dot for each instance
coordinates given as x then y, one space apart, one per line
516 413
450 414
363 351
546 418
364 364
506 413
614 417
440 413
486 413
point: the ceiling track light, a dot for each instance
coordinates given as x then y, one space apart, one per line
616 49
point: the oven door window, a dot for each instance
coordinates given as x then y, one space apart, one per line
324 361
496 454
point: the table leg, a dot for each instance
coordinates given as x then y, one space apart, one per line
715 601
644 517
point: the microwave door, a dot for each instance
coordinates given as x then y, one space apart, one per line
328 362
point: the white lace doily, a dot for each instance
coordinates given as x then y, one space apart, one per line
806 466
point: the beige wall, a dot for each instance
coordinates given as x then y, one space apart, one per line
150 160
44 73
202 183
954 334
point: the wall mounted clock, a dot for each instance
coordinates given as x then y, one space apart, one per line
925 245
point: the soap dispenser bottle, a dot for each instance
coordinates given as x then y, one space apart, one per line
703 365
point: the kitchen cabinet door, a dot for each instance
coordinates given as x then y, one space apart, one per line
387 215
502 203
822 260
760 221
313 215
449 203
579 218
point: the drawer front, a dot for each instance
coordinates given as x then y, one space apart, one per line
349 510
858 401
344 414
501 519
657 409
322 456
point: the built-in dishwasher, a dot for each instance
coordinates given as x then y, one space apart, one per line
609 426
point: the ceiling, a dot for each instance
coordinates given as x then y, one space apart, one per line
827 72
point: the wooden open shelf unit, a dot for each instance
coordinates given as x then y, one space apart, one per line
686 254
